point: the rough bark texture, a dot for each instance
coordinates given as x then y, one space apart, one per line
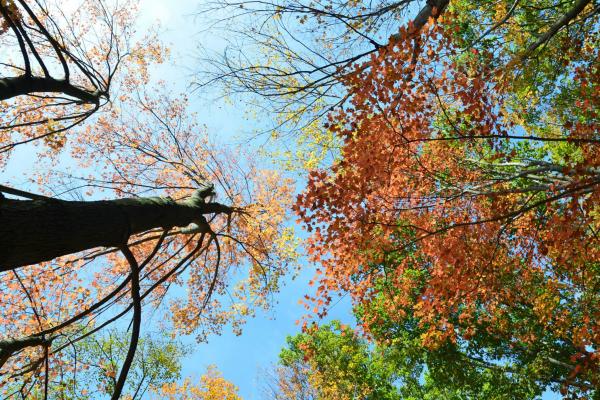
32 231
9 346
24 84
432 9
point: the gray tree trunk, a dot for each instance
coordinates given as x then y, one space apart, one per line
32 231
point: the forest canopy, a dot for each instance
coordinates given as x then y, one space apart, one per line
447 172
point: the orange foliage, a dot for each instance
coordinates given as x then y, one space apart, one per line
431 170
212 386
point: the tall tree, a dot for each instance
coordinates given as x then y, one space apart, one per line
67 265
332 361
491 187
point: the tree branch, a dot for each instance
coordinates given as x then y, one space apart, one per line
137 321
558 25
26 84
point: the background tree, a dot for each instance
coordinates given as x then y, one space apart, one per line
211 386
289 381
338 364
97 360
332 361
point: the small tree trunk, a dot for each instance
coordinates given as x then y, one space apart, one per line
32 231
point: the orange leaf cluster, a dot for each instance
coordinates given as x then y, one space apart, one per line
431 180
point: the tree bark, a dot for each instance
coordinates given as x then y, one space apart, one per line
427 12
24 84
32 231
9 346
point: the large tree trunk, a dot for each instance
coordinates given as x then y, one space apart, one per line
32 231
21 85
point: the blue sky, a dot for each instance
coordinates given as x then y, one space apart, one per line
240 358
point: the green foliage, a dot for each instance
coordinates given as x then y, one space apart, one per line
157 361
540 78
99 359
342 365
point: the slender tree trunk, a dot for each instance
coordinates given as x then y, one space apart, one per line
32 231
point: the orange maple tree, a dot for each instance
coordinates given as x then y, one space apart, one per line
459 204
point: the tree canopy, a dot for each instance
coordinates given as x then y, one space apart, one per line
337 363
448 152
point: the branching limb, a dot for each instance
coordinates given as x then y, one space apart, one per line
137 321
558 25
